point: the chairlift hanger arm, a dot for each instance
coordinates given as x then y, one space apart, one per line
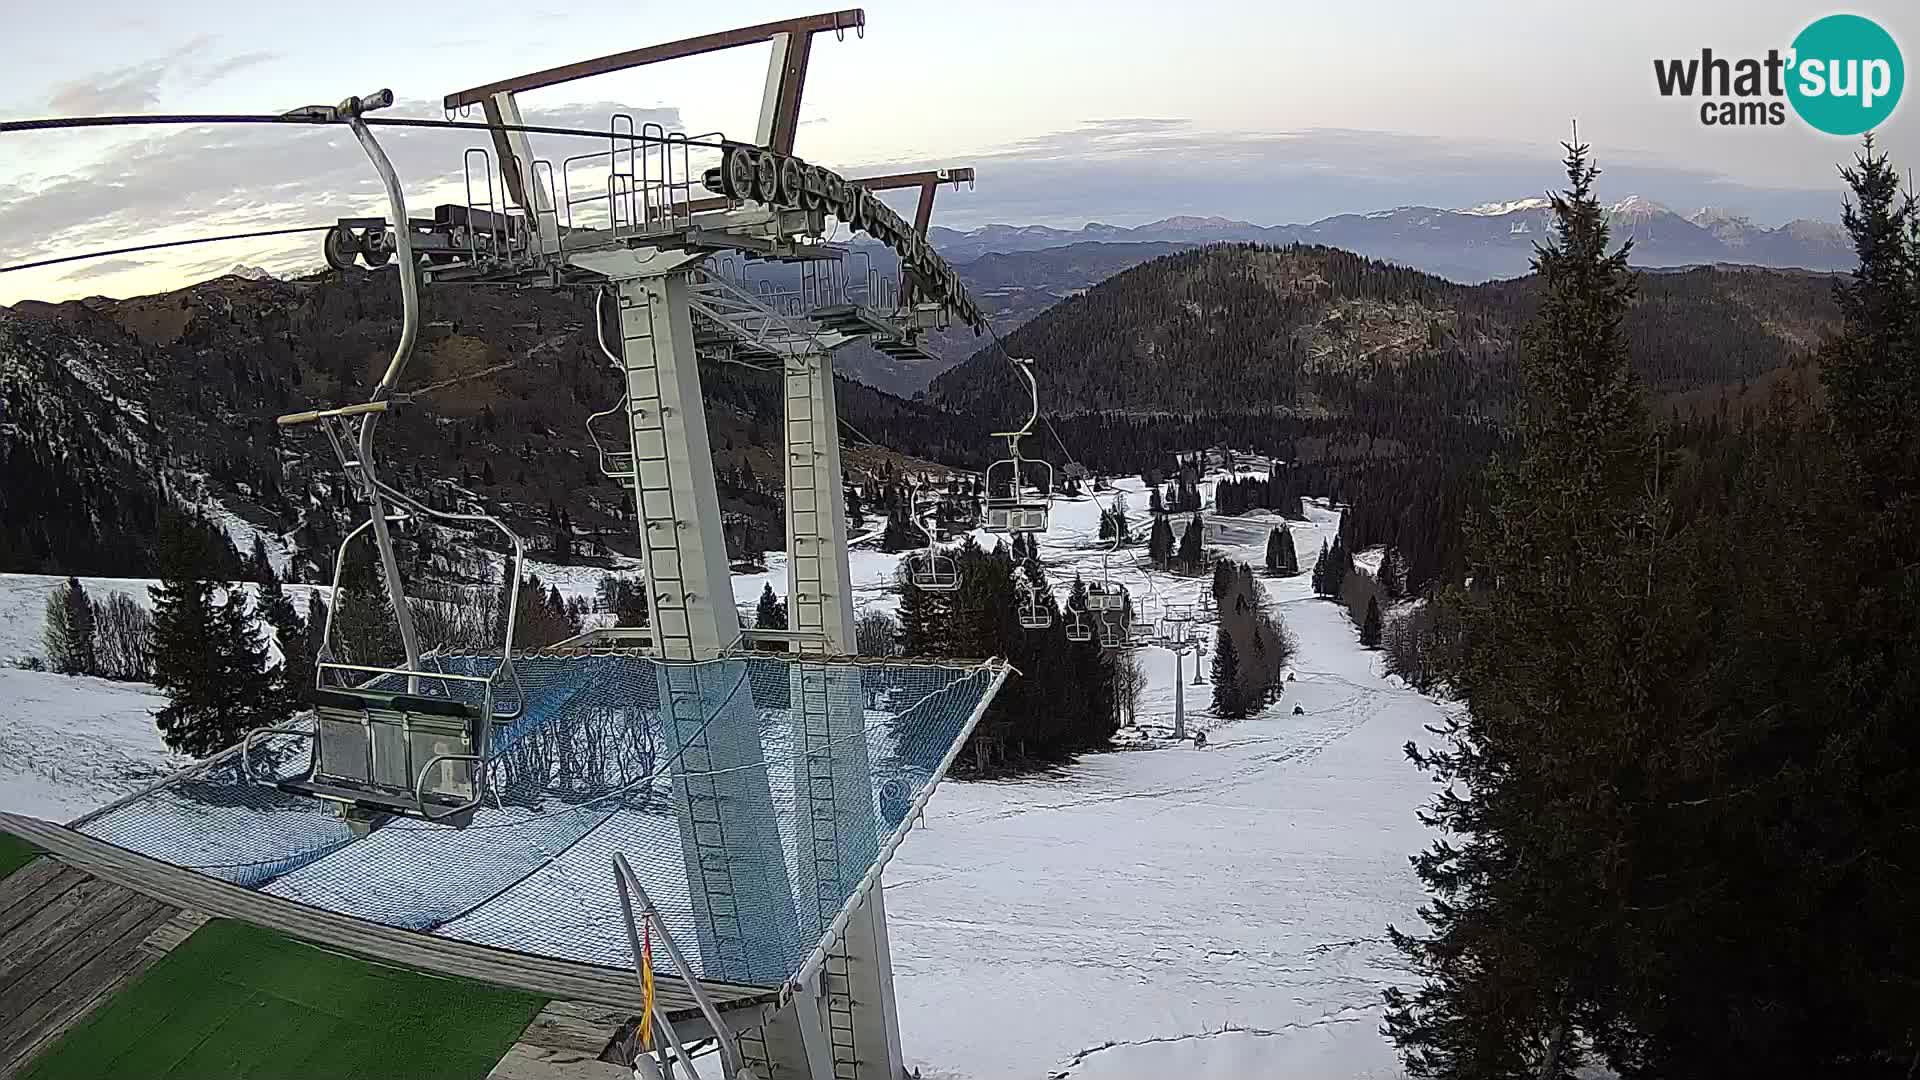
1025 367
839 21
928 181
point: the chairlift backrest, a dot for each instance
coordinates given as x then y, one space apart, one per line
1033 611
397 753
929 569
934 572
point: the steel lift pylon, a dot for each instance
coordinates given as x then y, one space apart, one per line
650 253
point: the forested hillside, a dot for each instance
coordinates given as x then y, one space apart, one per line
1381 386
108 409
1320 331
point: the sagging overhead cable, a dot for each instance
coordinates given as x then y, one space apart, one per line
303 118
256 235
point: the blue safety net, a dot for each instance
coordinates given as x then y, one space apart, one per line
751 795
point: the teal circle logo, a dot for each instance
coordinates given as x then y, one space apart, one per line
1846 75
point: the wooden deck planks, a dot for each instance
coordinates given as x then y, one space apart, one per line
28 891
168 935
565 1042
71 941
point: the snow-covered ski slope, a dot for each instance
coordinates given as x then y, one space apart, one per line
72 744
1177 912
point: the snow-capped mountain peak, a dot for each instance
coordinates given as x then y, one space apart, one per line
1188 223
1636 208
1512 206
1709 216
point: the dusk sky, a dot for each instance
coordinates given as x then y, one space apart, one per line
1121 112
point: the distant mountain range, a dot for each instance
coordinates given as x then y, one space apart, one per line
1494 240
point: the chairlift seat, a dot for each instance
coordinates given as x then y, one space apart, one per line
369 748
935 573
1078 630
1035 617
1016 518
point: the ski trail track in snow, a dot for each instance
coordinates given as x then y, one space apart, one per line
1196 913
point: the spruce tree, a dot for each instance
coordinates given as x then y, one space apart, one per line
1160 542
1393 577
924 628
1289 558
1799 794
1872 372
207 654
69 632
295 673
771 612
1370 625
1339 563
1223 580
1542 784
259 566
1229 702
1273 553
316 638
365 630
1322 567
1192 550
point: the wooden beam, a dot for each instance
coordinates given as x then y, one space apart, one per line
849 19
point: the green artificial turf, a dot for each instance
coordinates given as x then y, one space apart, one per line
14 853
236 1001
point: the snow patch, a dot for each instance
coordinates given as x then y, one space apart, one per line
71 744
1511 206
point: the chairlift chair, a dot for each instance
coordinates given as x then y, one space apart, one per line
401 740
933 571
1079 628
1106 596
1033 611
930 569
1009 507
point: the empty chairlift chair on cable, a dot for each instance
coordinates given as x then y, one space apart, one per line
930 569
1079 627
401 739
1108 604
406 741
1033 608
1011 507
